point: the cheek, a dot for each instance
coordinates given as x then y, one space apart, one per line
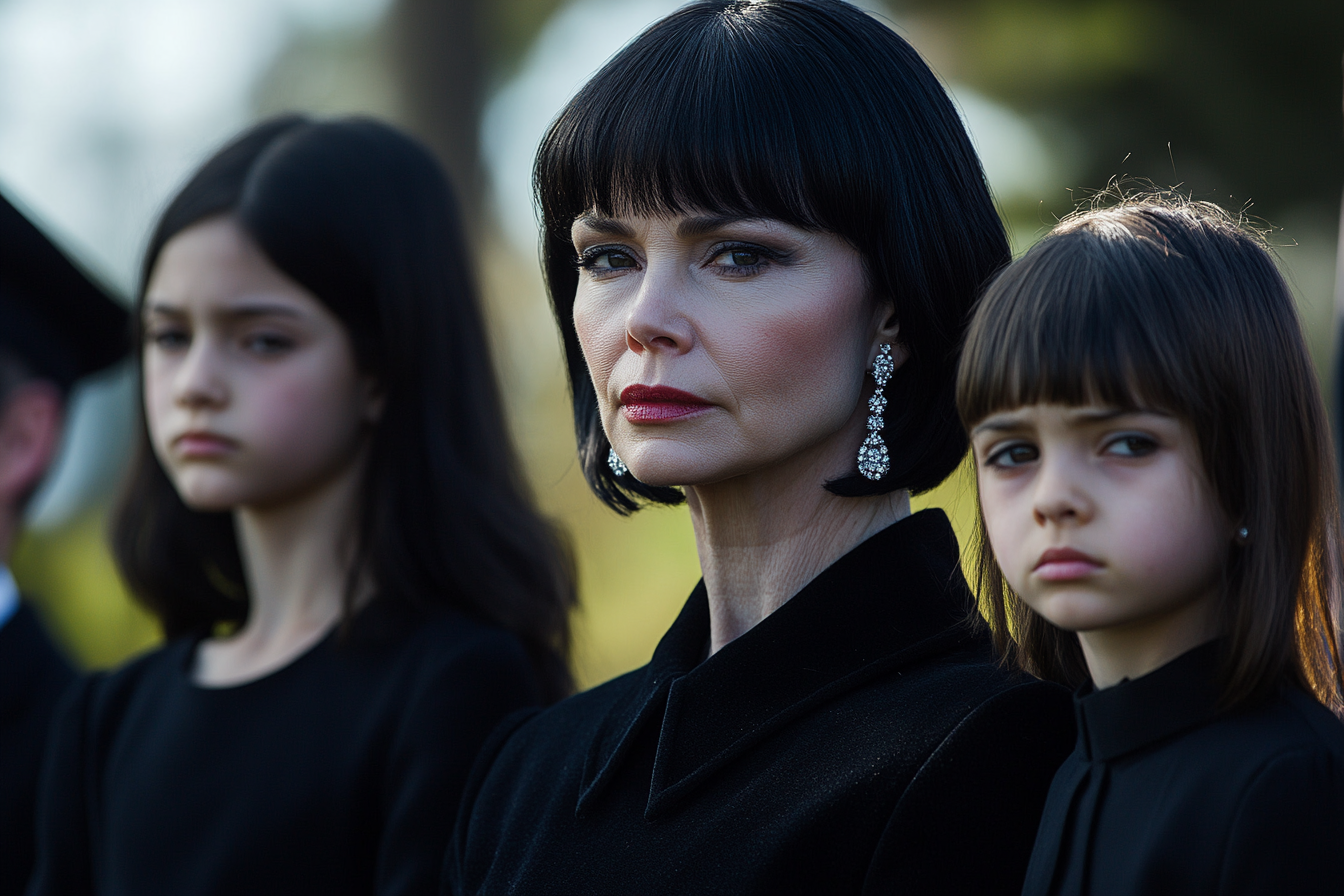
303 406
1006 523
601 337
799 359
157 396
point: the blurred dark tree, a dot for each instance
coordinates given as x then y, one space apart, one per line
446 54
1246 93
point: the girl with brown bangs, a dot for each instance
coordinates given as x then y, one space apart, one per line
1159 530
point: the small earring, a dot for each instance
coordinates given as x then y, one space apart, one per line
617 465
1243 534
874 462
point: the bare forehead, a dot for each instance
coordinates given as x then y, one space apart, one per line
214 267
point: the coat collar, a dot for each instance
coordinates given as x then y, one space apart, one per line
894 599
1135 713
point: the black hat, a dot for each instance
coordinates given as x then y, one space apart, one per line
53 315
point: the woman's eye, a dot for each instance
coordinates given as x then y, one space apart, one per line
168 339
738 258
1131 446
602 260
1014 455
267 343
741 260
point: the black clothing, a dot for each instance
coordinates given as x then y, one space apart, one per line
1163 794
861 738
32 677
336 774
56 317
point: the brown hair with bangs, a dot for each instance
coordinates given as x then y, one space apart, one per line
1162 303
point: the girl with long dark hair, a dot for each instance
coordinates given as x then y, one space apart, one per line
764 227
327 517
1159 529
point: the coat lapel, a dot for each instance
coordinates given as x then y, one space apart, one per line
895 599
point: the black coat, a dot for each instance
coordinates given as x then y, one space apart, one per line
1164 794
859 739
32 676
328 776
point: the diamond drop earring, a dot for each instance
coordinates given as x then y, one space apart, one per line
617 465
874 462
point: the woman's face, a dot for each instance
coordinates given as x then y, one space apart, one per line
723 346
252 394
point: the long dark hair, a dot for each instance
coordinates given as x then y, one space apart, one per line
363 217
811 112
1167 304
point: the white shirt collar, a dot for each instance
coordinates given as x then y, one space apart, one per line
9 595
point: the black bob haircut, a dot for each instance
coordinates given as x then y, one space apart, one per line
810 112
364 218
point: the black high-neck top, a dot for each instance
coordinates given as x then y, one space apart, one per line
861 738
336 774
1165 794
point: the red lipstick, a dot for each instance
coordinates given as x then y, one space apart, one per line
658 404
200 445
1065 564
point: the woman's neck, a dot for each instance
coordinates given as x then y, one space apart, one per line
296 559
762 538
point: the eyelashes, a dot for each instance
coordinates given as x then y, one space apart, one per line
743 259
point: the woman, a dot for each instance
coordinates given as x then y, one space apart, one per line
326 517
746 209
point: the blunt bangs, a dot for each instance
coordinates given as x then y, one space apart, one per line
1070 326
810 112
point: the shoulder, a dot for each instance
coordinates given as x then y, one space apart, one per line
156 667
575 717
1289 818
434 640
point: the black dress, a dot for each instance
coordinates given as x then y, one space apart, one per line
32 676
1163 794
333 775
859 739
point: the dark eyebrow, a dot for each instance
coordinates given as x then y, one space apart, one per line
604 225
998 424
694 227
1101 415
238 312
243 312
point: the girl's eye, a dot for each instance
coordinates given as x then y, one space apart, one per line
168 339
605 259
267 343
1014 455
1131 446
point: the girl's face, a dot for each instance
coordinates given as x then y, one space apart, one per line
251 389
722 346
1102 518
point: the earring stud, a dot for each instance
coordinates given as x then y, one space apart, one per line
874 461
617 465
1243 534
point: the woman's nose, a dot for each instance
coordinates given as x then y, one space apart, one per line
1061 496
656 318
199 382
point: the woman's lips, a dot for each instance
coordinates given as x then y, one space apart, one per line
656 404
1065 564
202 445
